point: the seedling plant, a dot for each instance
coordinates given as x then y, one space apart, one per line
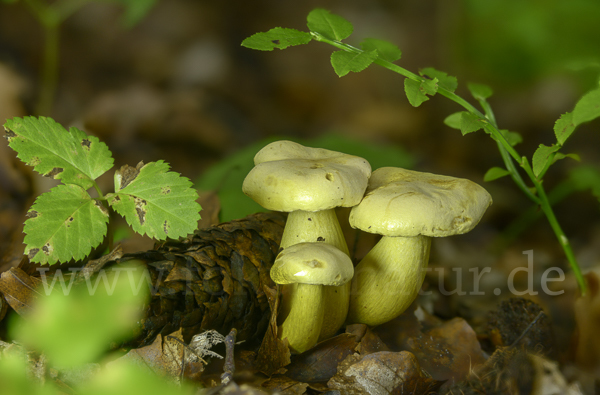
67 222
331 29
51 16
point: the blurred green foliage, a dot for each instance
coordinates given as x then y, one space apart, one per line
226 177
75 325
518 41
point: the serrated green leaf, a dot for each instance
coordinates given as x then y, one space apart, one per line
332 26
135 10
513 138
417 92
385 49
71 156
444 80
479 91
494 173
470 123
155 201
564 127
587 108
453 120
64 223
344 62
278 37
429 87
541 156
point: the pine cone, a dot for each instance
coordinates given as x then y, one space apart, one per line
212 280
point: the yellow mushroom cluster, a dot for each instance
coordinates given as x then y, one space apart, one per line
321 290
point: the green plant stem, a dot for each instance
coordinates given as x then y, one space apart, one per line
50 18
507 152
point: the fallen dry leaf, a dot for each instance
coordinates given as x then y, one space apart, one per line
447 352
19 290
285 386
274 353
382 373
320 363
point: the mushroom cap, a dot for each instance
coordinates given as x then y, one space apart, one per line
401 202
288 176
314 263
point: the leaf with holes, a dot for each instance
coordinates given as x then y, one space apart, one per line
71 156
278 37
332 26
345 62
155 201
64 223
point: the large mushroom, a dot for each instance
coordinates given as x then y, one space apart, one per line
313 268
309 183
408 208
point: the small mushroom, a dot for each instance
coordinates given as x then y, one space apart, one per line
408 208
309 183
313 268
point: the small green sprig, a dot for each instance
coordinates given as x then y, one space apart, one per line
51 15
332 29
66 222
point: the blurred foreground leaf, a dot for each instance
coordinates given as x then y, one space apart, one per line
77 326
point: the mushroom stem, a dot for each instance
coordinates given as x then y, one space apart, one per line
302 324
319 226
307 227
388 279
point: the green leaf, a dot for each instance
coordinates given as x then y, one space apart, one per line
135 10
443 79
586 177
564 127
15 376
479 91
127 378
470 123
77 326
541 157
332 26
344 62
494 173
64 223
587 108
417 92
560 155
73 156
453 120
155 201
278 37
513 138
385 49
